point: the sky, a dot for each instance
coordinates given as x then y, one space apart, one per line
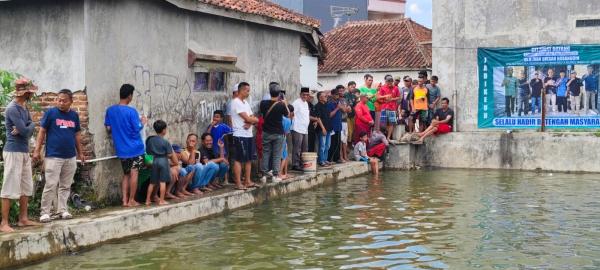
419 11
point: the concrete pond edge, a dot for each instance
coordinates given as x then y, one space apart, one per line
59 237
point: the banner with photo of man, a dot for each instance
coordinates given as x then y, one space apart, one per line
513 83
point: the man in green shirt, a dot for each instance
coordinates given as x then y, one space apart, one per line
371 91
510 85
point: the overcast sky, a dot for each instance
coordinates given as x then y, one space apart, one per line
419 11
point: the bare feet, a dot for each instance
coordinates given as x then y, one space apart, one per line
125 203
162 203
283 176
155 199
26 222
187 193
181 195
197 191
171 196
133 203
148 203
5 228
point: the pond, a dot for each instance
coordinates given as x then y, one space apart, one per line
430 219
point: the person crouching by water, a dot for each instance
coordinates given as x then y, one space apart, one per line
162 151
442 122
360 153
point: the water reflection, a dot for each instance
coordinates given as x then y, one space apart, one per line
437 219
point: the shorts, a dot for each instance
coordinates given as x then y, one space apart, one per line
161 172
129 164
443 128
388 117
422 115
245 149
344 132
364 159
18 180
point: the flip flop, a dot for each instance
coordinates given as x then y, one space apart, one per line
253 186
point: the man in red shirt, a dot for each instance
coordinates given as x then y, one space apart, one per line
388 95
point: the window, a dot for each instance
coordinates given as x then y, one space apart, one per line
587 23
209 81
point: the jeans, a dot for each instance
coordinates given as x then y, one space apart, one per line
523 105
334 148
589 101
562 104
509 105
324 143
223 168
535 104
300 142
272 150
203 174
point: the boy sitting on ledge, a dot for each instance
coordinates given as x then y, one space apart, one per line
360 153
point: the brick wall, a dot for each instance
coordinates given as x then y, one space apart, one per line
80 104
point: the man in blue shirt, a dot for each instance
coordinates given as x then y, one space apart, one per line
125 126
18 182
590 80
61 131
336 107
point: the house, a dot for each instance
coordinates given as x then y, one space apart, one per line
397 47
183 57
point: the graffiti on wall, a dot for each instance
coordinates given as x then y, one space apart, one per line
170 98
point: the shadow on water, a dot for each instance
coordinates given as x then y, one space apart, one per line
432 219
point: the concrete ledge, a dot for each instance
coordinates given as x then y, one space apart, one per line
526 150
58 237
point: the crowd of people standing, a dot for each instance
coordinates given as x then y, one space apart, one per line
344 123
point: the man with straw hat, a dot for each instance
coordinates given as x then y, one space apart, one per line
18 182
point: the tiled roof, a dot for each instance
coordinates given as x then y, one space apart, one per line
365 45
266 9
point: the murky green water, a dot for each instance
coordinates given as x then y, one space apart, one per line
456 219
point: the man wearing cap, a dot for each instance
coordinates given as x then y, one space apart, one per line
404 108
337 106
18 181
388 95
300 128
397 81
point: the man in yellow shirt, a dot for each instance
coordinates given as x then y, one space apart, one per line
419 101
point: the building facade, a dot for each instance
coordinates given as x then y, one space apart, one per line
183 57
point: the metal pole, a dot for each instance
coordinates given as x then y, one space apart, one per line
543 124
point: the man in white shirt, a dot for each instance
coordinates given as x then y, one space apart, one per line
244 147
300 128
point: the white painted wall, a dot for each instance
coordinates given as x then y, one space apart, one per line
309 66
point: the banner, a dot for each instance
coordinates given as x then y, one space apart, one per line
513 83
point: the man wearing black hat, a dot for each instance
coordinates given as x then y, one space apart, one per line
300 128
